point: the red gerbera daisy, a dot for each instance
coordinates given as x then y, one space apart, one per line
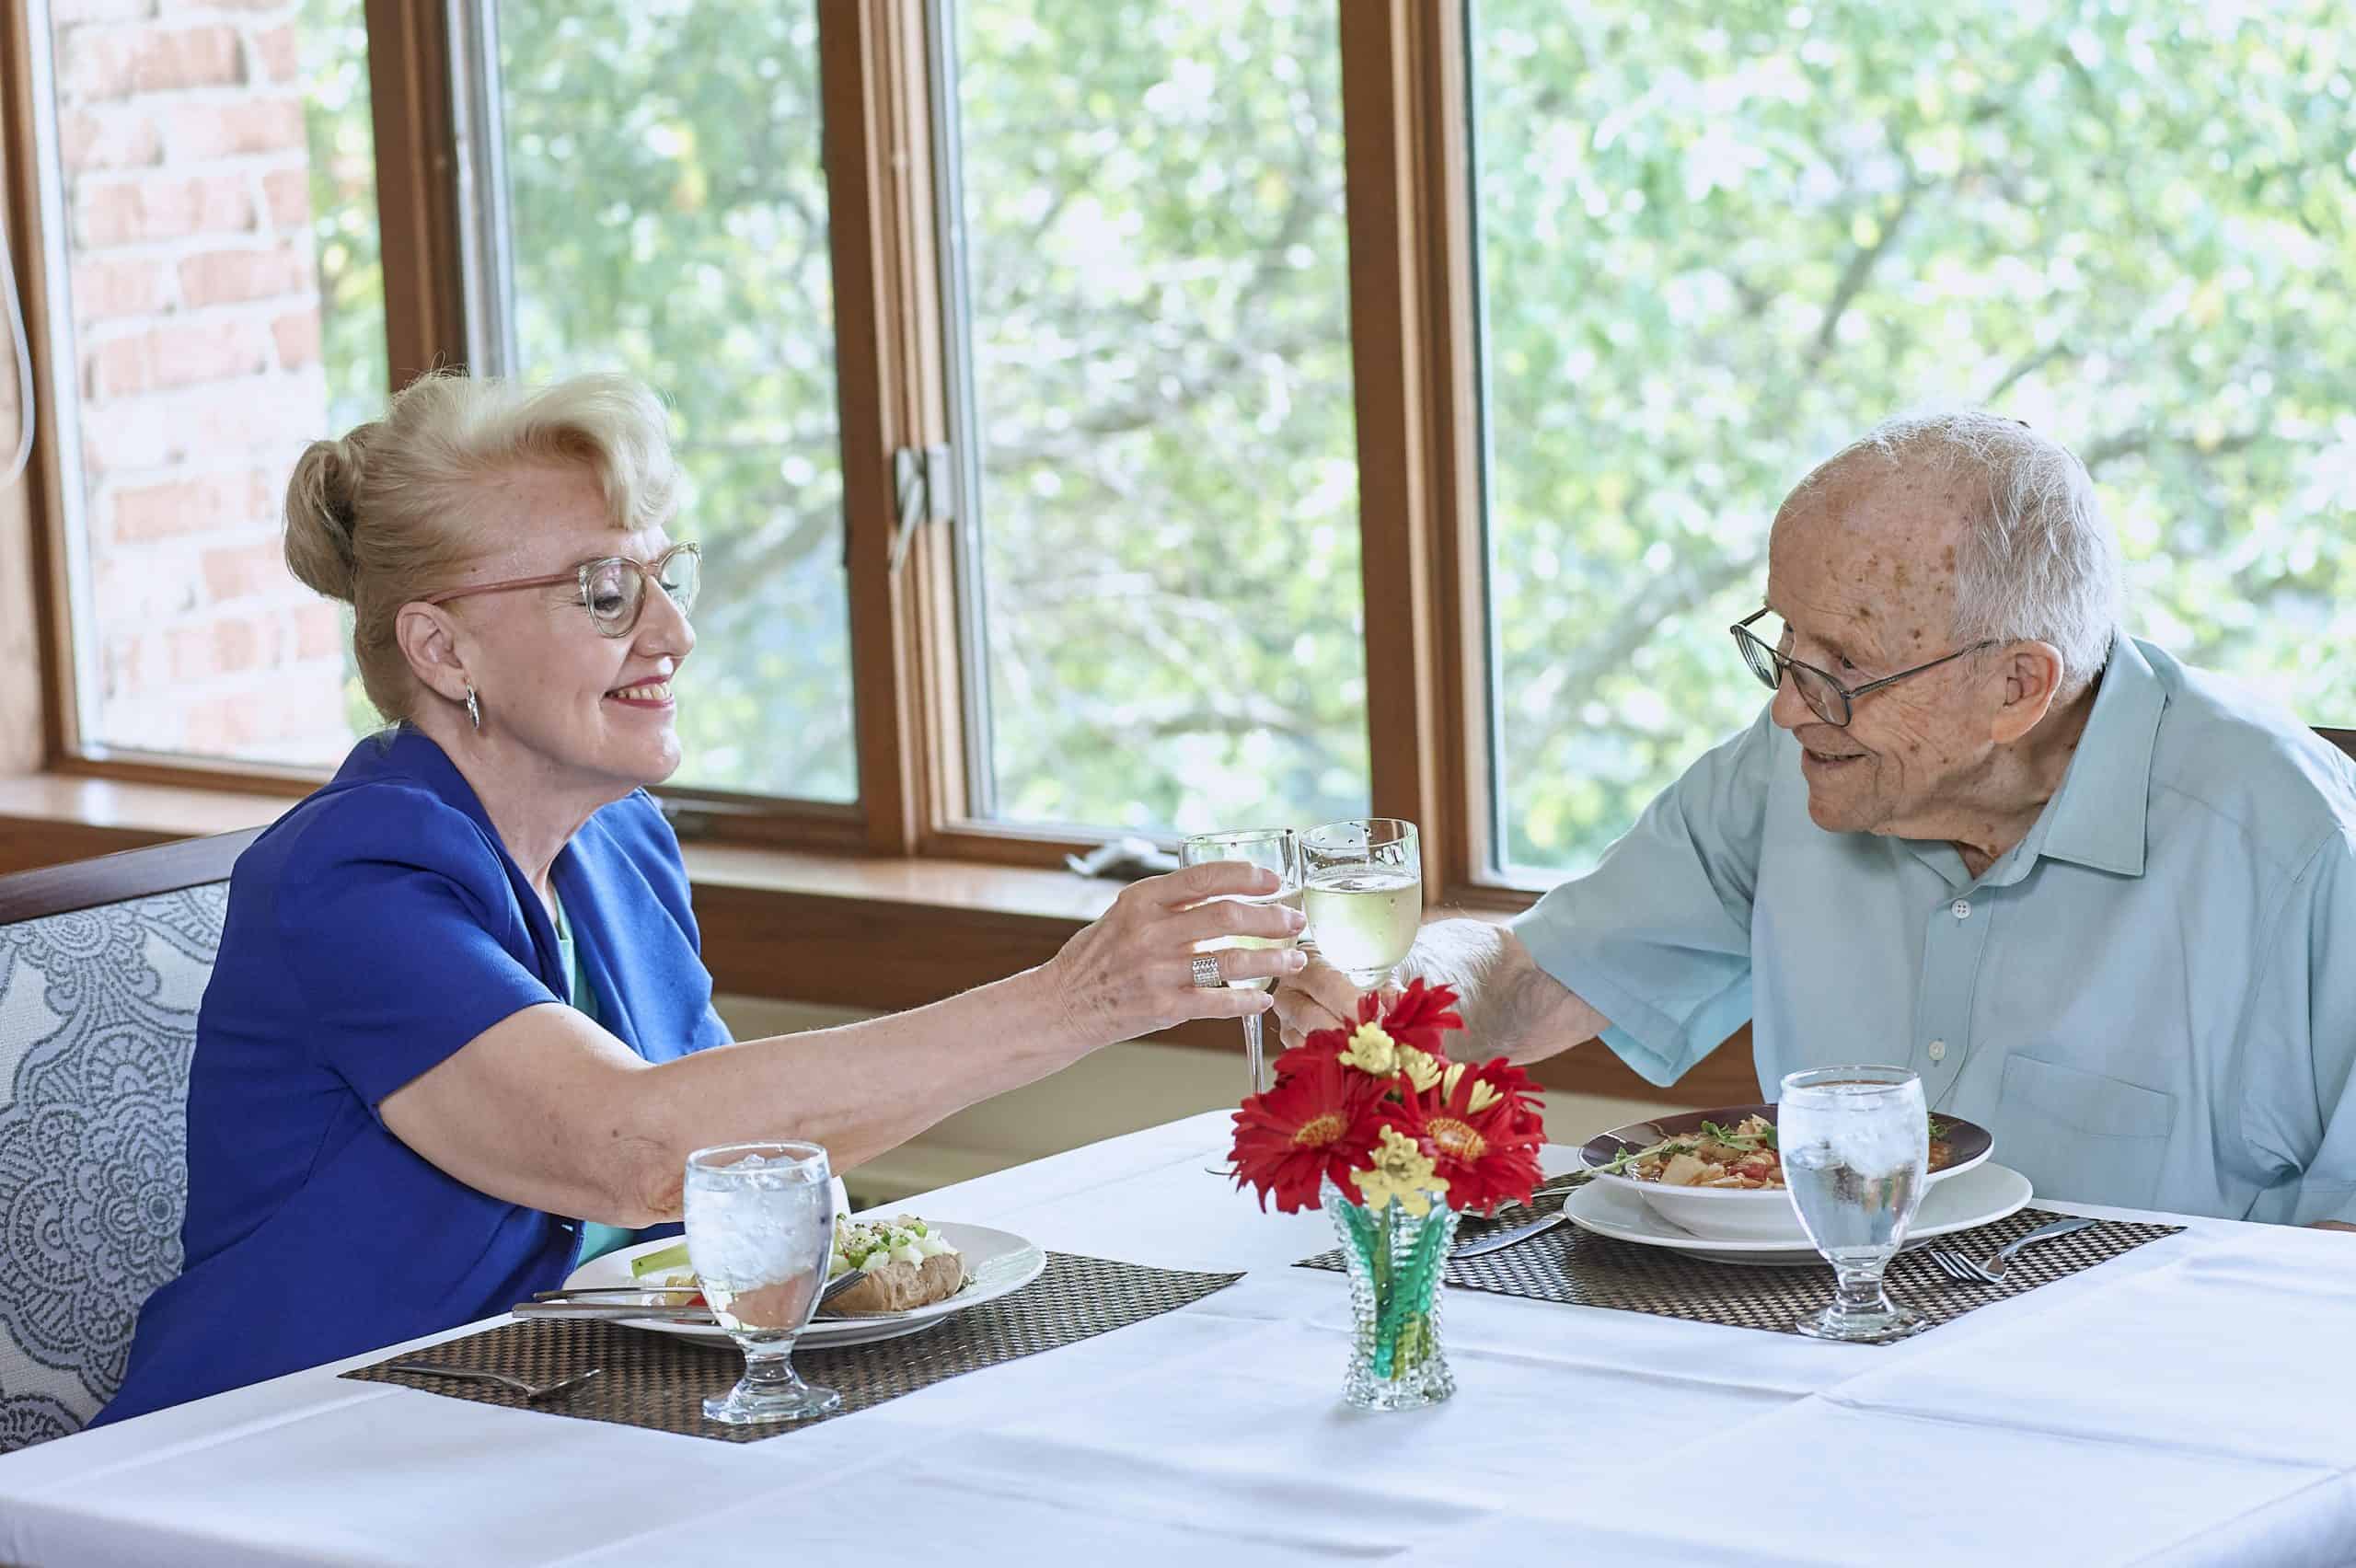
1328 1043
1418 1017
1318 1120
1490 1155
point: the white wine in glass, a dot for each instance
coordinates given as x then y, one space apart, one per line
1270 848
1364 895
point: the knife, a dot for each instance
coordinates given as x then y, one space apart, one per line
613 1312
568 1303
1502 1240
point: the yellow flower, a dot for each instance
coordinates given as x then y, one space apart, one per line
1402 1172
1373 1052
1421 1066
1484 1096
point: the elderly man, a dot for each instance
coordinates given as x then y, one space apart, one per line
2090 895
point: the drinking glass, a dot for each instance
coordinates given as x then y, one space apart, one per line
1364 895
1275 850
760 1225
1857 1147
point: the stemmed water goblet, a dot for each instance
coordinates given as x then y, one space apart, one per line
760 1226
1856 1153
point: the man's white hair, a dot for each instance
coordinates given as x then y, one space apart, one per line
2037 562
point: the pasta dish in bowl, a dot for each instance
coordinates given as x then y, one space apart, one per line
1719 1172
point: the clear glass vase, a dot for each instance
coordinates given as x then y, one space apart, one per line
1395 1260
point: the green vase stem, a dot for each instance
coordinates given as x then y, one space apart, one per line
1395 1259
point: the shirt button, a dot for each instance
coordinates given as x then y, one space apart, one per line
1961 909
1938 1050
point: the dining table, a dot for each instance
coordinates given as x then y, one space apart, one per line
2191 1400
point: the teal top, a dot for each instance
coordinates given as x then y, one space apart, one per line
597 1239
2150 1001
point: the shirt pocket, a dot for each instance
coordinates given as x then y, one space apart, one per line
2083 1137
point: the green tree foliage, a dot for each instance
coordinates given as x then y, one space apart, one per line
1161 328
1719 240
668 208
341 145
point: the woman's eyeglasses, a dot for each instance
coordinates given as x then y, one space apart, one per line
613 588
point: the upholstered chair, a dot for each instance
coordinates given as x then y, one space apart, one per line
102 966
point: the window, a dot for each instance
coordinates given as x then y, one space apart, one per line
211 227
1717 244
1161 558
666 215
1111 254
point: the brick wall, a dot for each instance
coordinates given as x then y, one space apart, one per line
196 317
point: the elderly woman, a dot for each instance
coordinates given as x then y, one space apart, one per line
459 1009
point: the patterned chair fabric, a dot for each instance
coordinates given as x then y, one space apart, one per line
97 1020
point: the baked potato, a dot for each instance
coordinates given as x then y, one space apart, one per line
908 1264
894 1286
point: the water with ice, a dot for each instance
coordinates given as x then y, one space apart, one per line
759 1221
1855 1161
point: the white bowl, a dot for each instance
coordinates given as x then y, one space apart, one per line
1733 1213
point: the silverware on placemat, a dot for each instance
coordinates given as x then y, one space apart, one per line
1499 1240
477 1375
1957 1266
1520 1230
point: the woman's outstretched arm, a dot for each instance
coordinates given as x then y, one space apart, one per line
547 1109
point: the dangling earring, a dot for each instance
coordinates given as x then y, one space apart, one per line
474 708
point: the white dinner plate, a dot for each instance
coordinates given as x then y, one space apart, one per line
997 1262
1989 1191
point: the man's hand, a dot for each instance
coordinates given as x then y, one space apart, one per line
1512 1006
1320 996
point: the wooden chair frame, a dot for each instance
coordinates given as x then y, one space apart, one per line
118 878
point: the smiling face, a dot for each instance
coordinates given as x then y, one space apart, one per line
567 709
1861 569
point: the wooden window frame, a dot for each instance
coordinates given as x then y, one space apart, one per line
1413 331
1419 445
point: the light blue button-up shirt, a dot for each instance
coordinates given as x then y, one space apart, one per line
2151 999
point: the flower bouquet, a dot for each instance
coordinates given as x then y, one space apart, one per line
1377 1126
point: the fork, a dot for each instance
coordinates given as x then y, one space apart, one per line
534 1392
1956 1266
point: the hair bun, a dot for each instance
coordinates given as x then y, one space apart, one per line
321 515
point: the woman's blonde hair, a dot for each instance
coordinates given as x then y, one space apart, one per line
385 517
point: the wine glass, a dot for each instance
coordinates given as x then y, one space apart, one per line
1274 849
1856 1149
1364 895
760 1226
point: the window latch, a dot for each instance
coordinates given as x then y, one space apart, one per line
921 494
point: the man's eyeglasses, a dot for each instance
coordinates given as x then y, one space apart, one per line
613 588
1826 697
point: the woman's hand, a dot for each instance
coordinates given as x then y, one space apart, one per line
1131 973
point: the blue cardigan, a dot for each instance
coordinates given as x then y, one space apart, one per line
376 929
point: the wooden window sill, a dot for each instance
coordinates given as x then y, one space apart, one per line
838 929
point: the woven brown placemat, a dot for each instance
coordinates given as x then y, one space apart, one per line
1580 1268
659 1380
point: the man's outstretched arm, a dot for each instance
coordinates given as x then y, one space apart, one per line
1512 1006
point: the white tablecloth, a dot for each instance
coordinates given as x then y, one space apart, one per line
2193 1402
